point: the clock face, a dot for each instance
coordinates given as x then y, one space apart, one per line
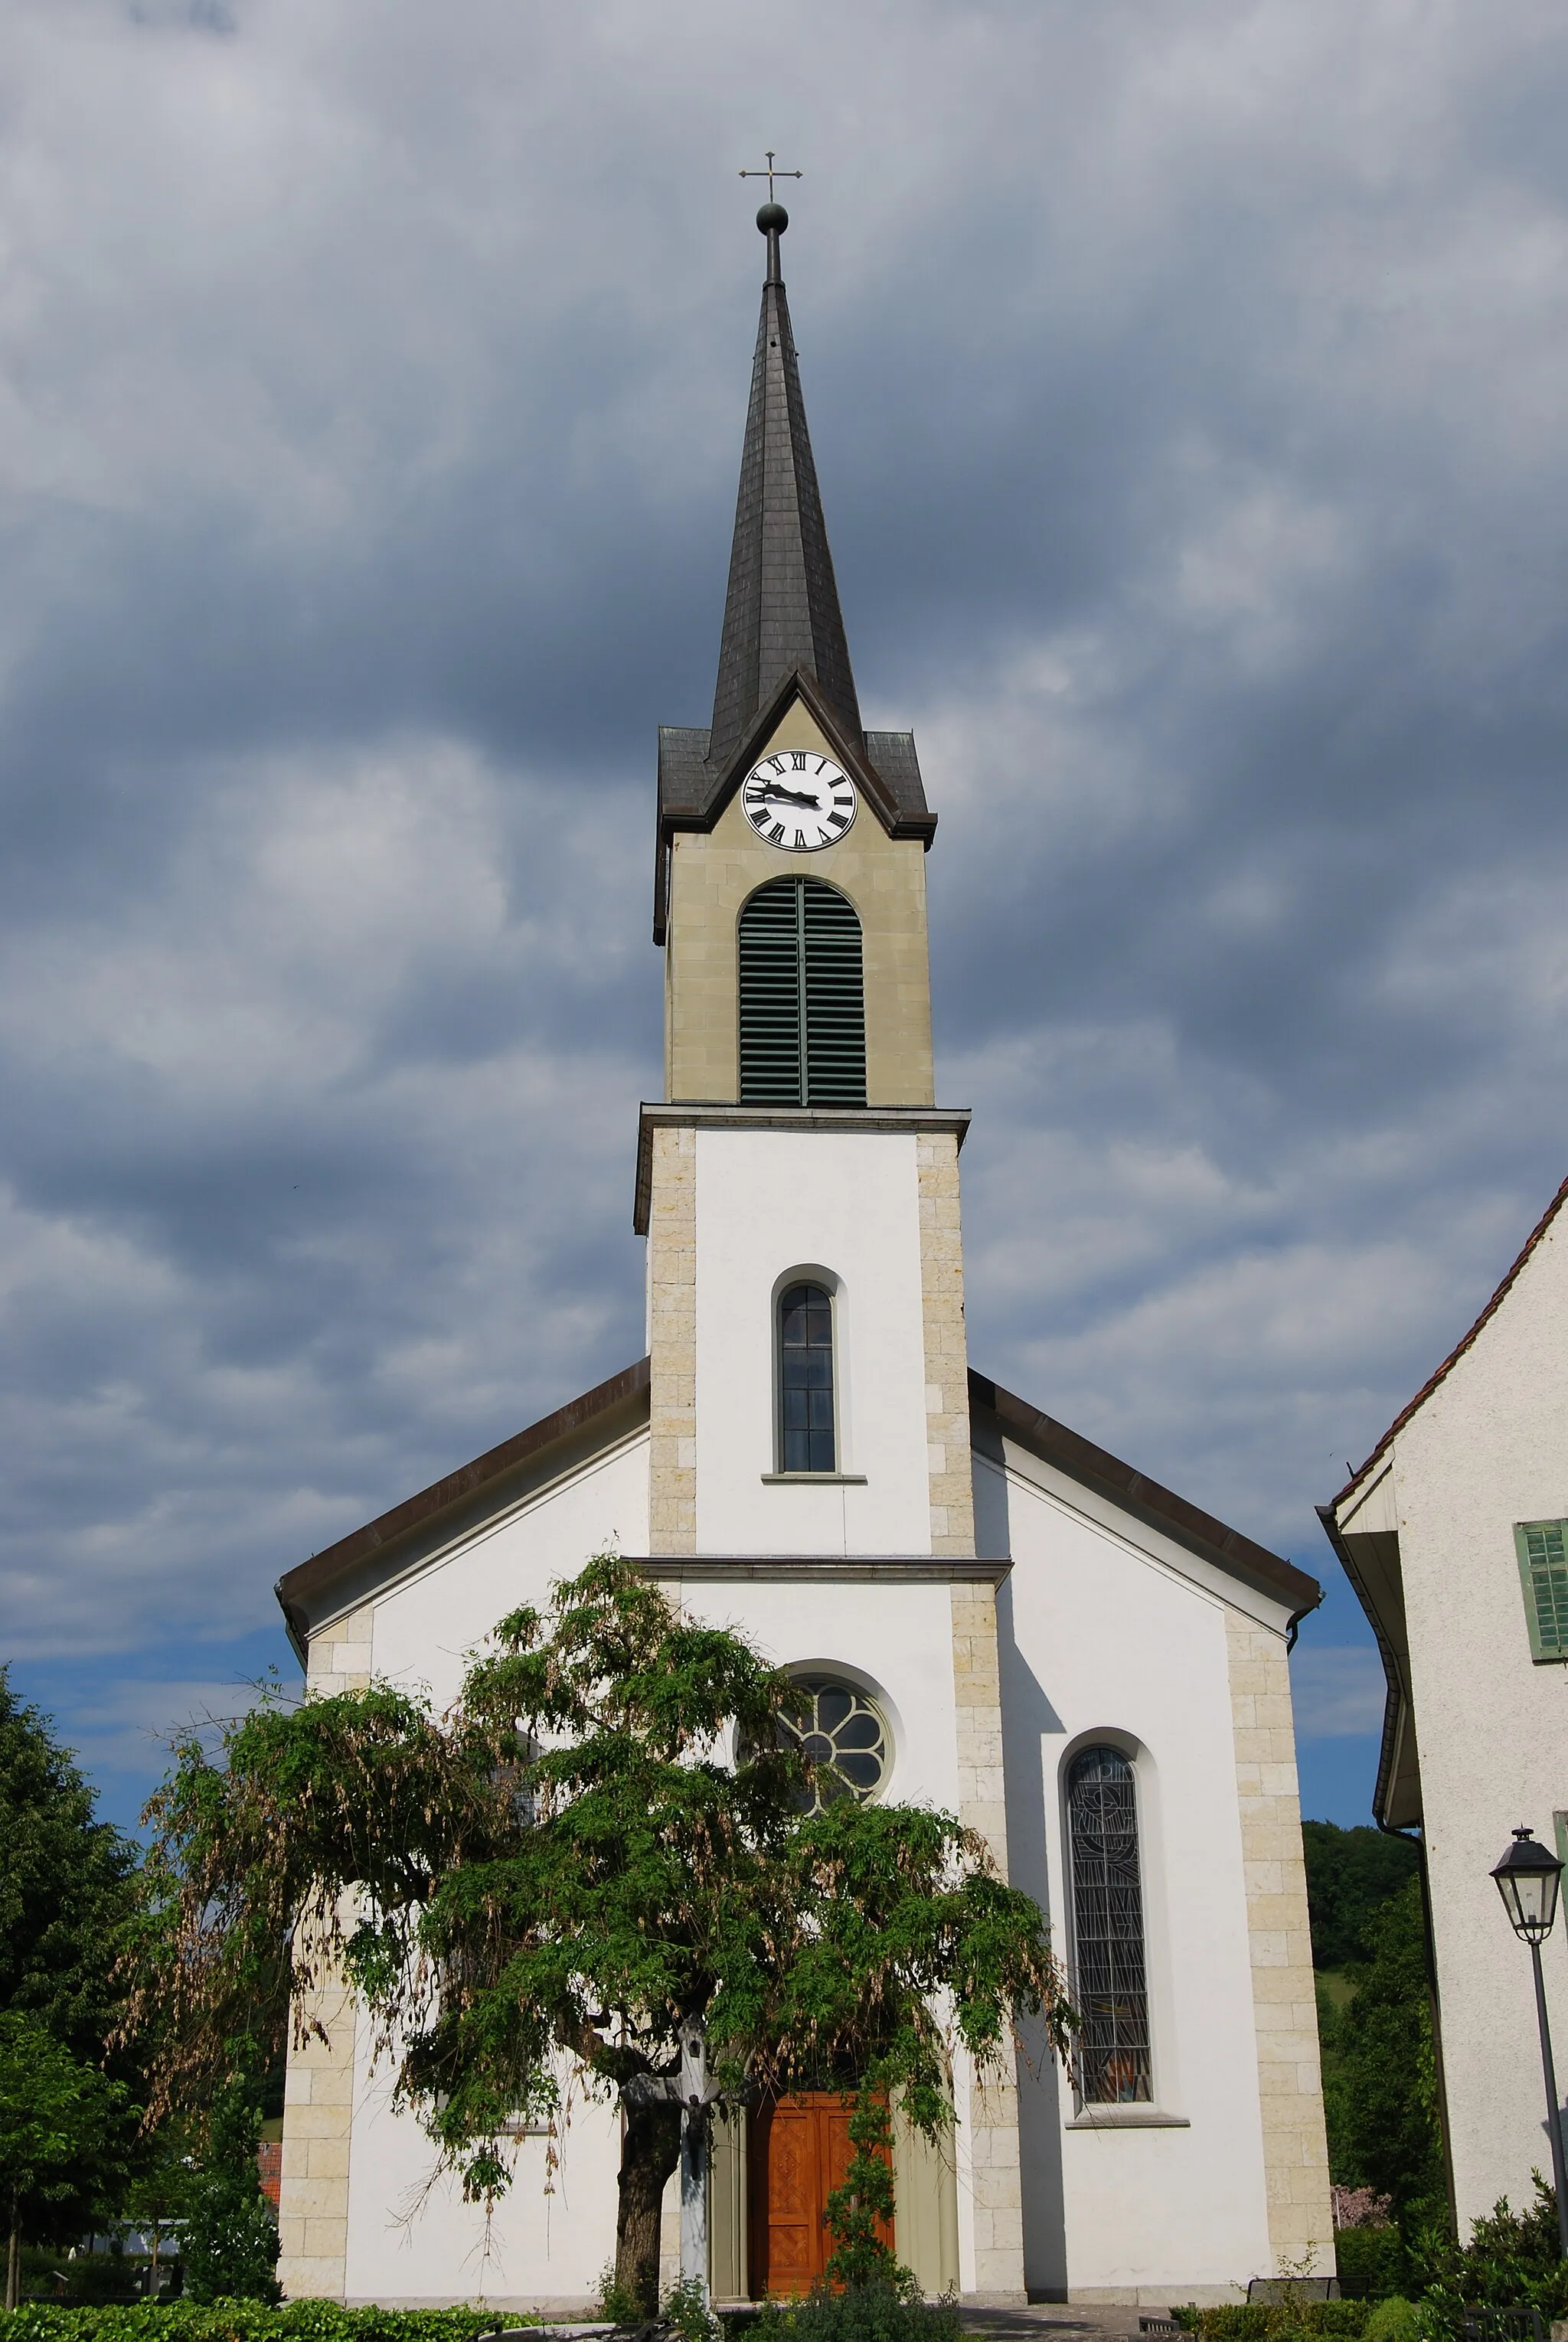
798 800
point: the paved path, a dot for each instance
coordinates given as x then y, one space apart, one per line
1058 2321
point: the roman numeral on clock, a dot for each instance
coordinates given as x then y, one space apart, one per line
776 831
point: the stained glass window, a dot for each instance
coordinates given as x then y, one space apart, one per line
839 1730
806 1380
1112 1985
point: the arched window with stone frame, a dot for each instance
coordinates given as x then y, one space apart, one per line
802 992
1111 2058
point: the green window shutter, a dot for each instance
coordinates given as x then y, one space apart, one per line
802 997
770 986
834 999
1543 1573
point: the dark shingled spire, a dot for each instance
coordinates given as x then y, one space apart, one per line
782 610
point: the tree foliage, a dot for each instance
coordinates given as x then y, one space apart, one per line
229 2245
68 1899
602 1839
67 1888
1350 1875
1380 2073
60 2124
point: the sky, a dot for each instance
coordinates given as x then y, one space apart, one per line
1187 386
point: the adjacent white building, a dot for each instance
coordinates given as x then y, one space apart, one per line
1452 1534
987 1611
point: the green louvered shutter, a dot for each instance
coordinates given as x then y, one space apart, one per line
770 984
834 999
801 997
1543 1568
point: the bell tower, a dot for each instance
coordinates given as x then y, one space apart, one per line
798 1185
786 711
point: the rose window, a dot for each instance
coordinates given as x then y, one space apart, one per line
838 1729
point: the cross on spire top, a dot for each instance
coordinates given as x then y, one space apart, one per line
770 175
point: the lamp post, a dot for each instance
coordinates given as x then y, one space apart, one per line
1527 1879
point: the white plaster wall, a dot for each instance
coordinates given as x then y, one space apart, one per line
425 1627
1488 1448
896 1640
770 1201
411 2242
1099 1634
408 2241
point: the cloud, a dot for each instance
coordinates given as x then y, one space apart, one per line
1337 1693
1185 387
131 1726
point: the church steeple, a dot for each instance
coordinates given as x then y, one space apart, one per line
782 609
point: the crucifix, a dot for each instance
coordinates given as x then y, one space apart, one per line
694 2093
770 175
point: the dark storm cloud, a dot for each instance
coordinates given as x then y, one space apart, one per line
1185 385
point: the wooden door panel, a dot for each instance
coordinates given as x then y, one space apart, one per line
800 2151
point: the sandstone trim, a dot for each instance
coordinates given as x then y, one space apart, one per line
991 2130
318 2092
1284 2000
949 1466
672 1339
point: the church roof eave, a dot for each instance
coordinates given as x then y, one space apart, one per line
1186 1524
1458 1351
319 1589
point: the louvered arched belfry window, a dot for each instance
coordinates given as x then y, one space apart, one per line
1112 1980
802 996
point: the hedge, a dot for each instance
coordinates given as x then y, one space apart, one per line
1272 2321
247 2321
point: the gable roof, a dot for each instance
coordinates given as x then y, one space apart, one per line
1460 1347
1096 1468
330 1581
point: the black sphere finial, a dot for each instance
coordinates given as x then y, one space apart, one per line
773 219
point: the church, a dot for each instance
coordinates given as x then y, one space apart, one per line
985 1610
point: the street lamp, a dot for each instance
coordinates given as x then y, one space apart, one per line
1527 1879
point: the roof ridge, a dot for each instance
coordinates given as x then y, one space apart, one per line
1460 1347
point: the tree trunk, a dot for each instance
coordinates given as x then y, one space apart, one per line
13 2257
649 2153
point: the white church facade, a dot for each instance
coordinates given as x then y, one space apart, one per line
989 1613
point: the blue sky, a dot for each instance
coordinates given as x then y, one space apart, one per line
1186 384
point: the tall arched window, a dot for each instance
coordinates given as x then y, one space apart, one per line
802 996
806 1441
1112 1993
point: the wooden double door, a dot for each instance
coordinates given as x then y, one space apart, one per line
798 2152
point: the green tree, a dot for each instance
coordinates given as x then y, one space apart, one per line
60 2121
1350 1874
230 2244
1380 2076
67 1889
602 1841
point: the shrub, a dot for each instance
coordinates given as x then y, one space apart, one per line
1372 2263
1513 2259
1394 2320
247 2321
879 2312
1275 2321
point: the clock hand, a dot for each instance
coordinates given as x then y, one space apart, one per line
779 795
